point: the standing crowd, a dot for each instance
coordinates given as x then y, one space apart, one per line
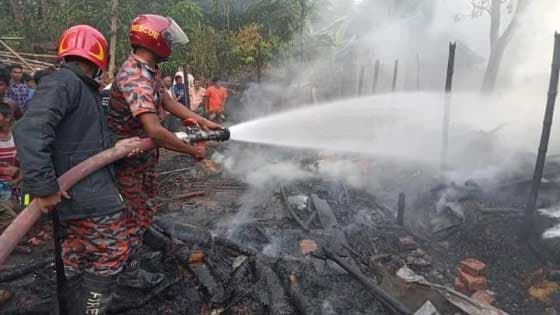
206 97
59 118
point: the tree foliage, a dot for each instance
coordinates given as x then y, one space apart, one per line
216 28
250 48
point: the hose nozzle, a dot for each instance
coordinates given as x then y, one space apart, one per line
219 135
193 135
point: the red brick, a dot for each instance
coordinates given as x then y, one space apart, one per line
472 283
473 267
308 246
483 296
460 286
407 243
196 257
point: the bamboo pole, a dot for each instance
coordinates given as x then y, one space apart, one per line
395 75
9 56
447 106
545 137
376 70
36 66
361 80
31 55
33 64
401 206
113 49
16 54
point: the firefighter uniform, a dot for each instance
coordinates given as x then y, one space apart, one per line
64 126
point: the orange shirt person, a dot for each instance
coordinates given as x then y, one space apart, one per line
216 97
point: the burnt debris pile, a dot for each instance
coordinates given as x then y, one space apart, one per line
316 245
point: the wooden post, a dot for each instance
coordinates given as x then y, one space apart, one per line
530 231
113 44
447 106
395 74
314 98
303 16
361 82
400 209
376 70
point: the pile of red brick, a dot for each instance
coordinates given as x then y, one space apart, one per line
471 280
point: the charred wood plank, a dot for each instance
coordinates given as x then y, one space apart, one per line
392 304
325 212
208 282
286 204
234 246
22 270
188 234
279 303
310 219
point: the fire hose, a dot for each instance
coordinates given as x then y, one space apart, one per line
15 232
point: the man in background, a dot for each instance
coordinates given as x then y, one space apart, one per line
4 83
168 83
190 77
10 176
197 95
216 97
17 90
179 89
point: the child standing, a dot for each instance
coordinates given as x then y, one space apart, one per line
10 176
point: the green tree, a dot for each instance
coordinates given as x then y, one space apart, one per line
250 48
210 25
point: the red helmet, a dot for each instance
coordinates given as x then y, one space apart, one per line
156 33
86 42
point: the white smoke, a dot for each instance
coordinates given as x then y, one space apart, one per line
554 213
487 133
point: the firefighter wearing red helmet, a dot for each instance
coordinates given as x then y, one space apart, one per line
138 100
64 126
